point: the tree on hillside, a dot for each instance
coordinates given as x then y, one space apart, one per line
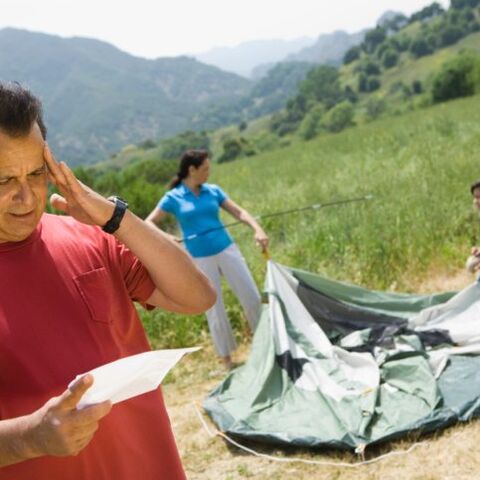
457 78
339 117
322 85
395 23
174 147
450 35
403 42
374 107
351 55
311 124
461 4
373 84
420 47
234 148
373 38
389 58
427 13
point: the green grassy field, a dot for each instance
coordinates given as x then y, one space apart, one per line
418 167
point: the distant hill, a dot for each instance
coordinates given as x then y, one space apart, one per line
243 58
98 98
269 94
329 49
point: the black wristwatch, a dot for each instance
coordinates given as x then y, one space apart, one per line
120 208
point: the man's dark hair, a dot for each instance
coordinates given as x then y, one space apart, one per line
474 186
19 110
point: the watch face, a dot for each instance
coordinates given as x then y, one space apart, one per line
116 200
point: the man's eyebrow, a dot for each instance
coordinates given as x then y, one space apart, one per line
43 167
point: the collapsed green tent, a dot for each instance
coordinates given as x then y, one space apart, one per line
333 364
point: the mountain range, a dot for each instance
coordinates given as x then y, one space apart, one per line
97 98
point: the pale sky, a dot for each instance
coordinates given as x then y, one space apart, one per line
156 28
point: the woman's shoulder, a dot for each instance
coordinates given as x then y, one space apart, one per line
175 192
212 187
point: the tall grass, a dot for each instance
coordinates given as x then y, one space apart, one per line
418 167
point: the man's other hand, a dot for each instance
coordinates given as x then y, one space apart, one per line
58 428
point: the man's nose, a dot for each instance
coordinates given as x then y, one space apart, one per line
24 193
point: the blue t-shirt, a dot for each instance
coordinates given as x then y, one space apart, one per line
198 214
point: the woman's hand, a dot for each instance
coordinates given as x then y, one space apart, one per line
261 239
76 199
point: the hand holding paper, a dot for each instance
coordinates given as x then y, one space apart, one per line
130 376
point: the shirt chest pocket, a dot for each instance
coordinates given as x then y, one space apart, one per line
95 288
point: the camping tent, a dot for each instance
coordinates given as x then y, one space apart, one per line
333 364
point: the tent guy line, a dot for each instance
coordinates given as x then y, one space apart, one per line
315 206
217 433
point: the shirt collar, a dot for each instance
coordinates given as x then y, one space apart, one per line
185 190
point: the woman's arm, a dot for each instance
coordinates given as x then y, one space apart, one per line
156 216
261 238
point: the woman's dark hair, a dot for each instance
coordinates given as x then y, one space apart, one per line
189 158
474 186
19 110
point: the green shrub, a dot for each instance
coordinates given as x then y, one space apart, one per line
311 124
451 35
457 78
374 107
390 58
420 47
339 117
373 84
351 55
234 148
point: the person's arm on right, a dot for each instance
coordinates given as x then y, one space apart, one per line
57 428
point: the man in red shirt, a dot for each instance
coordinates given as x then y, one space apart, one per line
66 292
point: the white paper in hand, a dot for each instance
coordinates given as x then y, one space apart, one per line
130 376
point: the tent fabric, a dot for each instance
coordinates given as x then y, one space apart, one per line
333 364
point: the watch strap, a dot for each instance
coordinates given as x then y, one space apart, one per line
120 208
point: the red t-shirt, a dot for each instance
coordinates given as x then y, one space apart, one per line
66 307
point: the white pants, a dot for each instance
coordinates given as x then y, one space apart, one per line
231 264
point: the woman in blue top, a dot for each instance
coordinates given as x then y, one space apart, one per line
196 204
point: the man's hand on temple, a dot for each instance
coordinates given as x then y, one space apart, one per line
76 199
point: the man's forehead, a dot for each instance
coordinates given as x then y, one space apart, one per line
22 151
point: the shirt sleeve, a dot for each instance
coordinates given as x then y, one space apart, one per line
219 194
167 204
135 276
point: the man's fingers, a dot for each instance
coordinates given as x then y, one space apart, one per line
93 413
72 181
52 165
70 398
58 202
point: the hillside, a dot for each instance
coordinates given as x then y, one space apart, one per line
405 161
98 98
